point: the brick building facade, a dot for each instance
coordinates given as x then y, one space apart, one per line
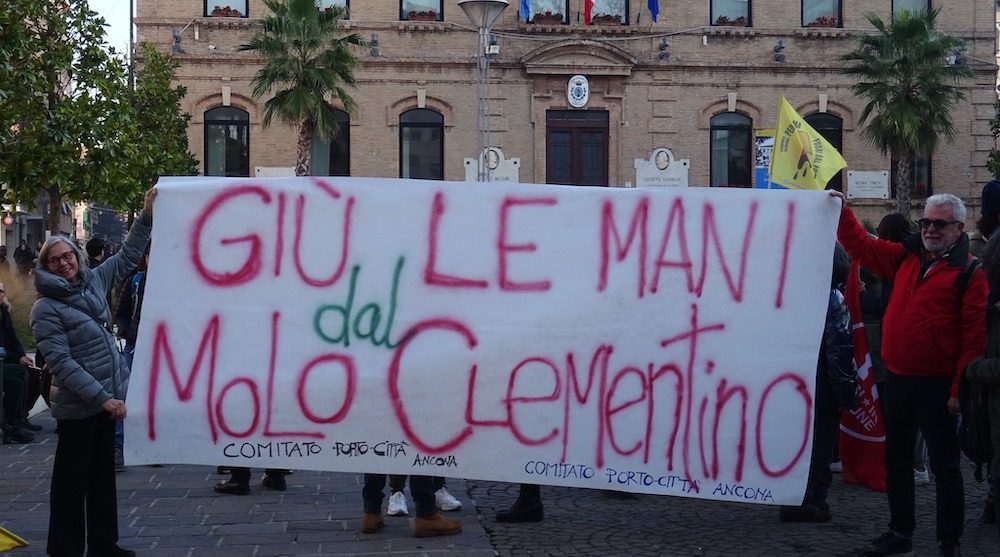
699 81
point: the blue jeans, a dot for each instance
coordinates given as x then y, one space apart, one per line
913 403
421 488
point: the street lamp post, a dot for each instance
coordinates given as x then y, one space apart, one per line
482 14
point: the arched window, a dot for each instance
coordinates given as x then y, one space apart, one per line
227 142
421 144
831 127
333 157
730 154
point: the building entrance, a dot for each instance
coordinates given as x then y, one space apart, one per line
576 147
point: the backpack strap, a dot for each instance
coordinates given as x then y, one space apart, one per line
104 324
965 277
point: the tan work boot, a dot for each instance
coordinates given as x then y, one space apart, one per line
371 523
436 525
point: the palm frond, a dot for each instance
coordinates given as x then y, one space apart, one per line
306 60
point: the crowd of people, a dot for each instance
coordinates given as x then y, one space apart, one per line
937 315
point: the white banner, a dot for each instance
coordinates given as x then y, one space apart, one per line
655 341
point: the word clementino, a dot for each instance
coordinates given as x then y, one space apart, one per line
664 392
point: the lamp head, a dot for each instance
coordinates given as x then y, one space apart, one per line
483 13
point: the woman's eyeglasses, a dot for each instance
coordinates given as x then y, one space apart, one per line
65 258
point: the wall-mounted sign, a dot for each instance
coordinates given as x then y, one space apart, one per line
498 167
867 184
661 169
578 91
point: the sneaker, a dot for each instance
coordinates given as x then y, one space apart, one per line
371 523
446 501
948 549
836 467
889 545
436 525
921 477
397 505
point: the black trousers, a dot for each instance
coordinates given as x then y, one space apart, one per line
14 388
912 403
83 503
241 475
826 424
398 482
421 488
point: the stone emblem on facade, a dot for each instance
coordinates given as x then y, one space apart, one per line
578 91
498 166
661 169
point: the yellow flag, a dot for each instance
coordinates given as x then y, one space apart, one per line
801 159
10 540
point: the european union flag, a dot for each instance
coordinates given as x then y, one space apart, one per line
654 8
526 9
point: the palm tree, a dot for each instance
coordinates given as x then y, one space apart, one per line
909 87
306 59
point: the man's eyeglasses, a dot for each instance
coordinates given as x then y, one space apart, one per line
938 224
65 258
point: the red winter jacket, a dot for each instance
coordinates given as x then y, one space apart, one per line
926 329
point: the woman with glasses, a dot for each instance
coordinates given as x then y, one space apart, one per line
71 323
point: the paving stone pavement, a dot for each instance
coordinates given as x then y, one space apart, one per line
171 511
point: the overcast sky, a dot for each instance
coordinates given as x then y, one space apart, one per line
115 12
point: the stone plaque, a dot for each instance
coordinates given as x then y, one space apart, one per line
501 169
273 171
661 169
865 184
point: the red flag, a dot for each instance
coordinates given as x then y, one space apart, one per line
588 8
862 430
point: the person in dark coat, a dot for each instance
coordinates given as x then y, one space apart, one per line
836 391
23 257
97 249
985 372
988 221
15 378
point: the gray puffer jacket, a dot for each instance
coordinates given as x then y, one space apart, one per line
82 355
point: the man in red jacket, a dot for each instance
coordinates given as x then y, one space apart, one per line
933 326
